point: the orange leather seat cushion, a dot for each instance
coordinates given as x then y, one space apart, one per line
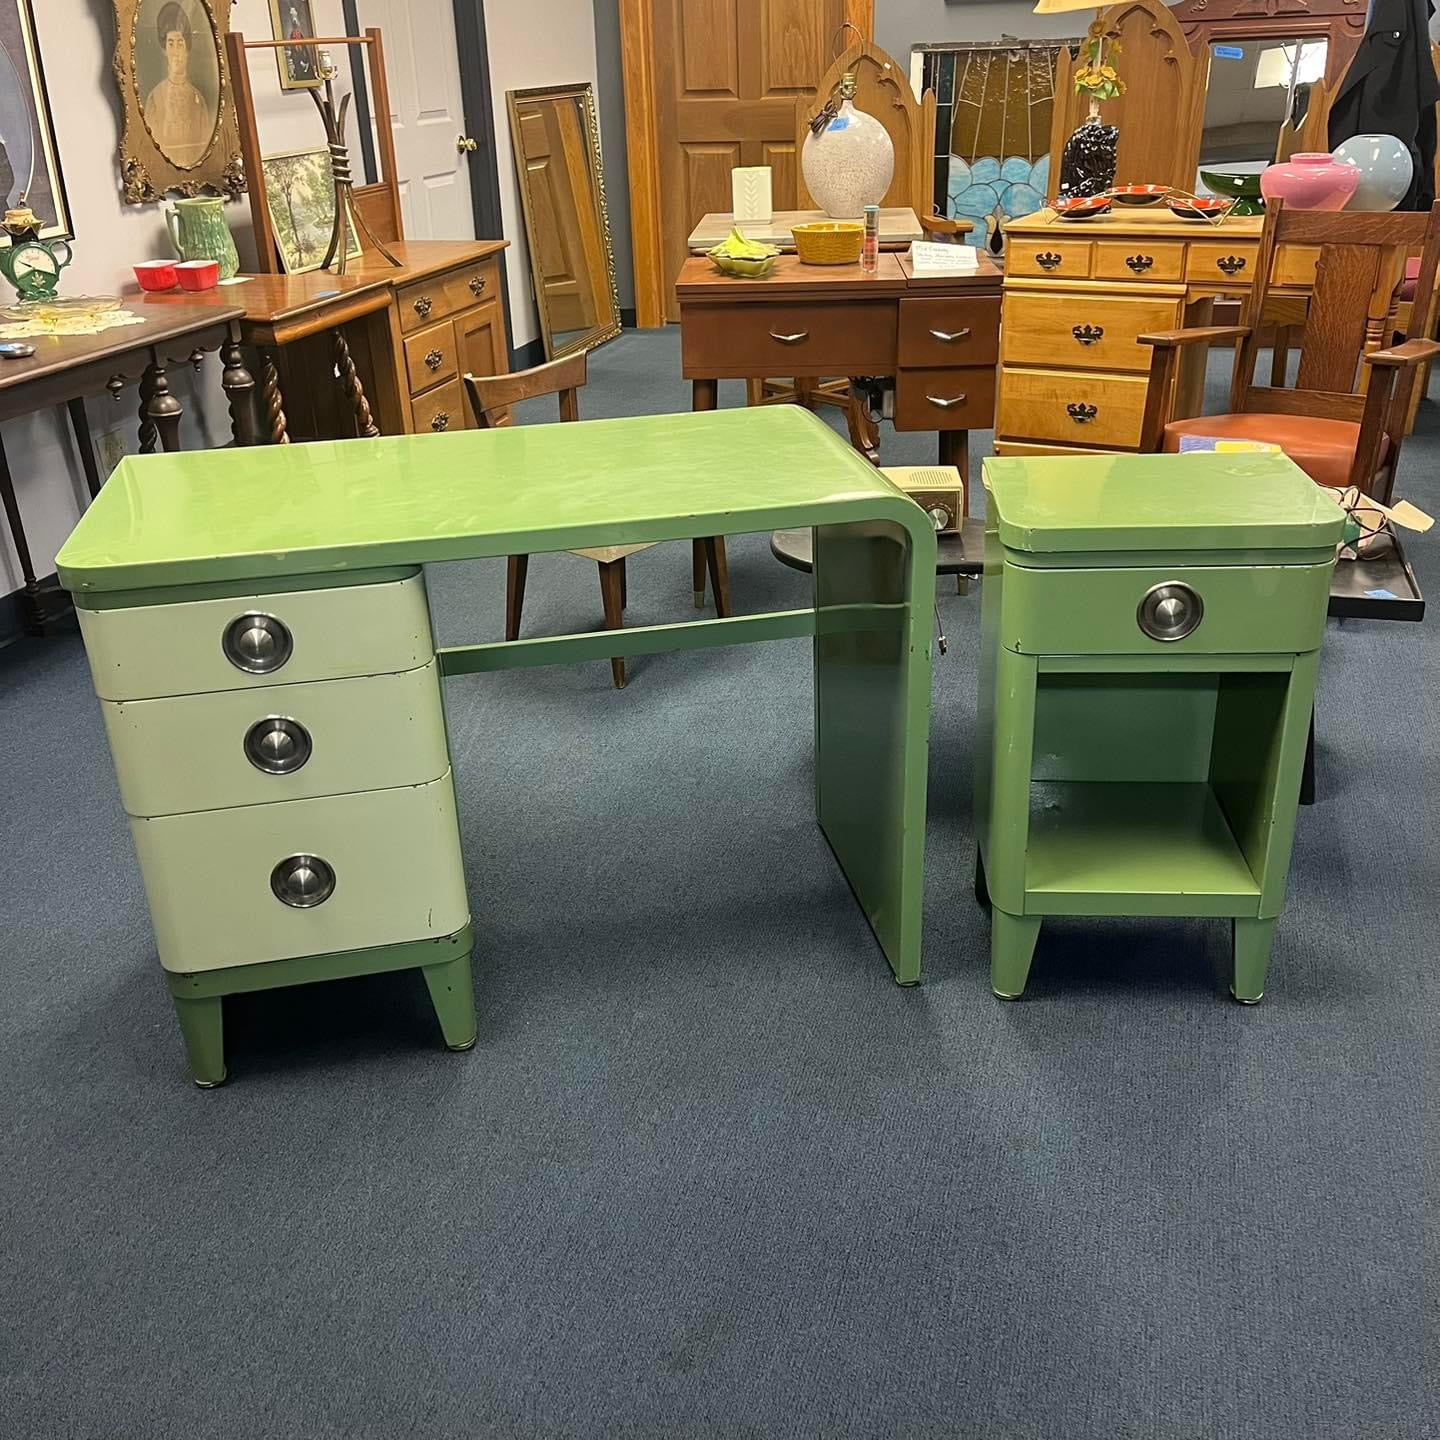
1323 449
1407 285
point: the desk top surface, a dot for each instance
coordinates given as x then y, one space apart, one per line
346 505
899 225
1153 221
793 279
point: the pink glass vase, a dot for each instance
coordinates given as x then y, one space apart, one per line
1310 182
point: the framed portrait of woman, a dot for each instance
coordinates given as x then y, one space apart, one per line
180 128
29 161
299 64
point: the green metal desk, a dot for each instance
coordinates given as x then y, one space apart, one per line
1151 626
260 641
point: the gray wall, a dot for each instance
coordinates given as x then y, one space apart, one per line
610 101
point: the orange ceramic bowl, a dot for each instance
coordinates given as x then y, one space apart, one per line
1081 207
1200 207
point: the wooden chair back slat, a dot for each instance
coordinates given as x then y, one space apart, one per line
492 395
1334 336
1273 400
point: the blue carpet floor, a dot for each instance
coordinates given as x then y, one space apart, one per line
709 1171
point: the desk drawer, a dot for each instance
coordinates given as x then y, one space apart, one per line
446 294
153 650
210 878
952 399
430 356
1247 610
472 285
1061 259
1221 264
1139 260
839 338
1083 329
444 408
1071 407
283 742
949 332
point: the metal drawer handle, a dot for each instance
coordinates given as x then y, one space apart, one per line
441 421
435 359
949 337
257 644
423 306
1139 263
1231 264
1047 259
302 881
1081 413
477 285
945 402
277 745
1170 611
794 339
1088 334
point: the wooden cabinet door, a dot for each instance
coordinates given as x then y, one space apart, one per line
481 347
728 74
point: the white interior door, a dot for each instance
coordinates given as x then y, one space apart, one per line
427 115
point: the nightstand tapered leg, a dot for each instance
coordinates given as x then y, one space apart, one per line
1012 945
1253 939
453 996
202 1023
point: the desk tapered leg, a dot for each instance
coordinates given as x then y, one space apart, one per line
955 450
239 387
80 424
706 396
275 429
160 411
874 584
365 425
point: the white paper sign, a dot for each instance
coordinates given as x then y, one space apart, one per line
927 258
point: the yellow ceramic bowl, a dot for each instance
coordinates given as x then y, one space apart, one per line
829 242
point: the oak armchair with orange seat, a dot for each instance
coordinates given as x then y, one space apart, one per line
1345 417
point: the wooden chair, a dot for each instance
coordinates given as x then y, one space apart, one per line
1337 433
490 398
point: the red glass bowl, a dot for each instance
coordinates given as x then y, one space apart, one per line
198 274
156 275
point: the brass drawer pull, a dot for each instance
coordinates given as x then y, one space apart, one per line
1081 413
435 359
949 337
423 306
1047 260
794 339
1139 263
945 402
441 421
1231 264
1088 334
477 285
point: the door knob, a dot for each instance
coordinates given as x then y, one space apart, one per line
465 145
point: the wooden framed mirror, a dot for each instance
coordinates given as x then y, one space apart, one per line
556 140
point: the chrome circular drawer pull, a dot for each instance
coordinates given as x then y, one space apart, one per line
302 882
257 644
1170 611
277 745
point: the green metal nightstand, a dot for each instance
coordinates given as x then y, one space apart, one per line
1151 629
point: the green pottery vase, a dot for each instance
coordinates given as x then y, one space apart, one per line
198 232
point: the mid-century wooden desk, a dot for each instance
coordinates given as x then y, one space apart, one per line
66 368
377 350
930 342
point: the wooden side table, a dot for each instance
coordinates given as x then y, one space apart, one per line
1151 628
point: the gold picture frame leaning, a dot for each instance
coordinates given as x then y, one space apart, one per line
300 190
299 64
181 134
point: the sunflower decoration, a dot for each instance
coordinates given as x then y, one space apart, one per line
1096 76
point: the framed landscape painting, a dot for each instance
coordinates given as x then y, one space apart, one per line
300 191
29 160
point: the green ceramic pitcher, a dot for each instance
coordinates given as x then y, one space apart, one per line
198 232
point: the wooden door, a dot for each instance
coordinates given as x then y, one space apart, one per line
727 75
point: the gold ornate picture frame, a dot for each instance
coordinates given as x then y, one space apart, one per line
181 134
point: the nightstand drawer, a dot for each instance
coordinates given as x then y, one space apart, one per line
855 337
949 332
283 742
1062 259
953 399
147 651
430 356
1249 610
1071 407
1222 264
1083 329
446 407
270 882
1139 260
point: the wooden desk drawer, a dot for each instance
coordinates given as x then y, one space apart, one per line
1082 329
446 407
472 285
1068 407
430 356
394 855
148 651
1064 259
1139 260
216 751
1232 264
1251 610
1295 265
960 398
854 337
950 331
427 301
